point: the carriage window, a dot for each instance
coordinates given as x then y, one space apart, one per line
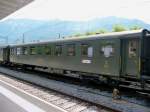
1 51
40 49
18 51
71 50
58 50
32 50
107 50
14 51
90 51
86 50
132 48
11 51
24 50
47 50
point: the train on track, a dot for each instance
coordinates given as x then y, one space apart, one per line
113 57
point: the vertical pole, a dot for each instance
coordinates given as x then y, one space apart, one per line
23 39
6 39
59 36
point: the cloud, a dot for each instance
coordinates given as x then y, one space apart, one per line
84 9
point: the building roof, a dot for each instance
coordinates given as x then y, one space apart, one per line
9 6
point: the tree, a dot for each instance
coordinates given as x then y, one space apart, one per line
118 28
101 31
78 34
135 27
90 33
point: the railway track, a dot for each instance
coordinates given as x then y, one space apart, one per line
94 96
69 104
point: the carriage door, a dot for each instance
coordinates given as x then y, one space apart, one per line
131 57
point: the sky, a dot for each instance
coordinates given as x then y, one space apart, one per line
84 9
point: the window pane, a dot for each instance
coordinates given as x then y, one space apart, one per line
11 51
90 51
24 50
58 50
71 50
1 51
86 50
14 51
32 50
47 50
18 51
107 50
132 48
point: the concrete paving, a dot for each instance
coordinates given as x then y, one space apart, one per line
6 102
14 100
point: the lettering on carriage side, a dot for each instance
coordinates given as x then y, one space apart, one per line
86 61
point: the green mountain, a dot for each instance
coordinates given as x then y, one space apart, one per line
43 29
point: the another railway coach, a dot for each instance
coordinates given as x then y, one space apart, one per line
104 56
4 54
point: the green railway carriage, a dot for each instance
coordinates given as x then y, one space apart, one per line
4 54
113 55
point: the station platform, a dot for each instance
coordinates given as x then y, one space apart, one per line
15 100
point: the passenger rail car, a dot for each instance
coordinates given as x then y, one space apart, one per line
115 56
4 54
